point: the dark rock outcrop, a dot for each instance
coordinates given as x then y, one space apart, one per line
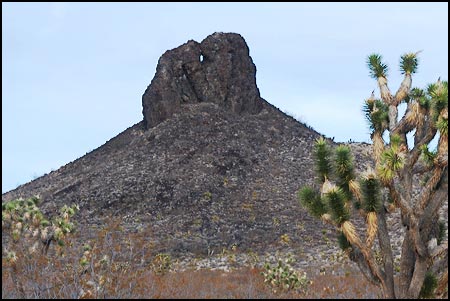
217 70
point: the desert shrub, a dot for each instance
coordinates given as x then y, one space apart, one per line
25 225
283 276
25 230
111 262
162 263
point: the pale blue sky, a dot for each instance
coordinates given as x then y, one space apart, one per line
73 74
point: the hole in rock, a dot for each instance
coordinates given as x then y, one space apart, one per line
201 58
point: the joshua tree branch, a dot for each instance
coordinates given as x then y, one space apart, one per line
398 199
437 199
356 256
420 268
441 264
420 247
421 168
415 152
439 250
425 195
403 90
405 125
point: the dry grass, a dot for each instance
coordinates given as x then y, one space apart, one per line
125 268
245 283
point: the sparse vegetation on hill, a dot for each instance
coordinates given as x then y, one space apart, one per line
114 265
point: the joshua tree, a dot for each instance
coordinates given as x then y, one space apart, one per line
406 178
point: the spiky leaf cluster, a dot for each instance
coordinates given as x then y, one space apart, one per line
343 242
371 194
442 125
336 202
409 63
434 99
343 168
427 156
377 113
335 199
429 285
322 154
438 93
418 95
310 199
395 142
392 160
377 68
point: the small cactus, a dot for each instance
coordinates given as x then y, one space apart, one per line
283 276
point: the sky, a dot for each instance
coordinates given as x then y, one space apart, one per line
73 74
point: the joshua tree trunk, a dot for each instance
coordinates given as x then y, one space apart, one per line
386 251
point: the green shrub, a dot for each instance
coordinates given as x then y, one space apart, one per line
283 276
162 263
23 221
28 235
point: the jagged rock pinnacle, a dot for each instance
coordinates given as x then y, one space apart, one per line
217 70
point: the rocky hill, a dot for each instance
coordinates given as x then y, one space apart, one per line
211 164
